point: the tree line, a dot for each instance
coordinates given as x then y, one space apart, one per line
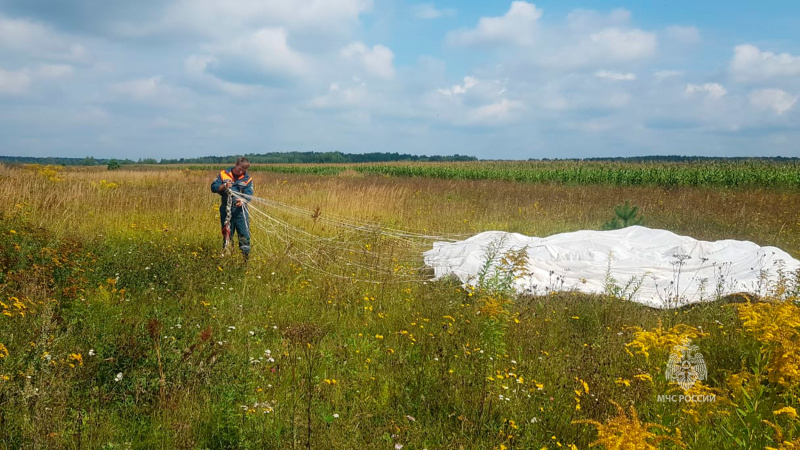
263 158
352 158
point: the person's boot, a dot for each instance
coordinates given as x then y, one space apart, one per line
246 257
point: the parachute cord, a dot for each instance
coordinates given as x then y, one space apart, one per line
226 229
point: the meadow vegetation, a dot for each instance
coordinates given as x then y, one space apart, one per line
122 327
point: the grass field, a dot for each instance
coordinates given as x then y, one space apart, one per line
122 327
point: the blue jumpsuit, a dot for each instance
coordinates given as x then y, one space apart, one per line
240 220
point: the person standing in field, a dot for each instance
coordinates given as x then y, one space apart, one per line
235 179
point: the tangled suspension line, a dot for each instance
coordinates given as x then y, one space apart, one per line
357 250
352 223
226 229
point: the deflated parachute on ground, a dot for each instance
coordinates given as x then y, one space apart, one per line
653 267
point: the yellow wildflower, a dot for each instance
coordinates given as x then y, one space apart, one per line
777 326
784 445
77 357
620 380
770 321
628 432
643 377
494 307
788 410
702 411
660 339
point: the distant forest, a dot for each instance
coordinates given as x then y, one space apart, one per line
350 158
264 158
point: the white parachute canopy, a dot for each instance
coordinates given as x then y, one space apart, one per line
656 268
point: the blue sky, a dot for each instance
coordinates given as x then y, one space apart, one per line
493 79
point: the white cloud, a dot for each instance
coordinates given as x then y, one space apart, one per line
18 82
76 53
377 61
19 34
14 82
215 119
168 124
474 102
609 45
54 71
469 83
714 91
563 81
775 99
517 27
751 64
625 45
267 51
615 76
583 20
428 11
575 93
340 95
91 116
196 67
683 34
150 91
223 18
471 92
38 40
662 75
589 38
499 111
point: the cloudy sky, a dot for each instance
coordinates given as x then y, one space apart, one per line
493 79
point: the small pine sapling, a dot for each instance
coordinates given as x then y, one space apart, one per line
625 215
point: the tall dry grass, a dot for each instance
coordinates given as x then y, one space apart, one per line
136 333
180 200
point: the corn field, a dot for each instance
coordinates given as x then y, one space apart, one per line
726 174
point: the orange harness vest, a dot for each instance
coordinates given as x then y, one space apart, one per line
225 176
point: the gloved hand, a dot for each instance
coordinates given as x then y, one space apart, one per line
225 185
